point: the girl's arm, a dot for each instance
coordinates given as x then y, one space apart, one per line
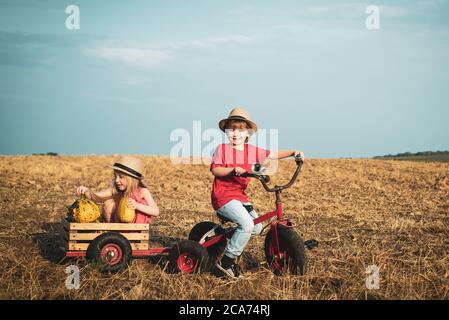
151 209
99 196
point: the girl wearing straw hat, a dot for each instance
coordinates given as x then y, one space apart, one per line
229 162
127 183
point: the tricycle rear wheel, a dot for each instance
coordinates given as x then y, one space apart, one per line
188 256
200 229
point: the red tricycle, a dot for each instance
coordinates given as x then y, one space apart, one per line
284 248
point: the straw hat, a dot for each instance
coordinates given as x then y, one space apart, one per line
129 165
238 114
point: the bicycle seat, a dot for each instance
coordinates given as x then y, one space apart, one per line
222 218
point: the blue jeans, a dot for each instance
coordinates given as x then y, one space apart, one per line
236 212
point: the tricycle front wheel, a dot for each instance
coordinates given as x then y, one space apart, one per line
291 257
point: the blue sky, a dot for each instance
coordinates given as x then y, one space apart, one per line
137 70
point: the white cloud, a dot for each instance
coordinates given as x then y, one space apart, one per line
393 11
157 53
213 41
146 57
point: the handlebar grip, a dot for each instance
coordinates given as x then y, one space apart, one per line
299 159
247 175
265 178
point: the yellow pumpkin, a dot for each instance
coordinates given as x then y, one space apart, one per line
125 213
84 210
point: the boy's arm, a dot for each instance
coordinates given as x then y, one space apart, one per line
281 154
222 171
217 166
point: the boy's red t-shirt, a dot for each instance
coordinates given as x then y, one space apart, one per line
233 187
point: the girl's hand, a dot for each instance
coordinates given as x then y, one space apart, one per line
132 203
81 190
239 171
299 154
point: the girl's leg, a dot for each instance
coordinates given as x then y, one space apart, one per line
109 210
236 212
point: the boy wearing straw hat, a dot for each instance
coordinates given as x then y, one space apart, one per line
228 196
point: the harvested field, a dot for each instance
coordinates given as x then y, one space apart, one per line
391 214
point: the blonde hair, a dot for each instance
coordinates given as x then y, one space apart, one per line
131 185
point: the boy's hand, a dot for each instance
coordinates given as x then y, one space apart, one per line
81 190
132 203
239 171
299 154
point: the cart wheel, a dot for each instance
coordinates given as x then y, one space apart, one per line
200 229
292 258
188 256
109 252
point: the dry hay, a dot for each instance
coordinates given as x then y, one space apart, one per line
362 212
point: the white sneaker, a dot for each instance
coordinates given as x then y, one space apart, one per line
232 272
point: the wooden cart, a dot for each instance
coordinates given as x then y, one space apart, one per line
110 246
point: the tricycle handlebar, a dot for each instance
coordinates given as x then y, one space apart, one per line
264 179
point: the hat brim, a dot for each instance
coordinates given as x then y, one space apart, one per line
222 123
125 172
